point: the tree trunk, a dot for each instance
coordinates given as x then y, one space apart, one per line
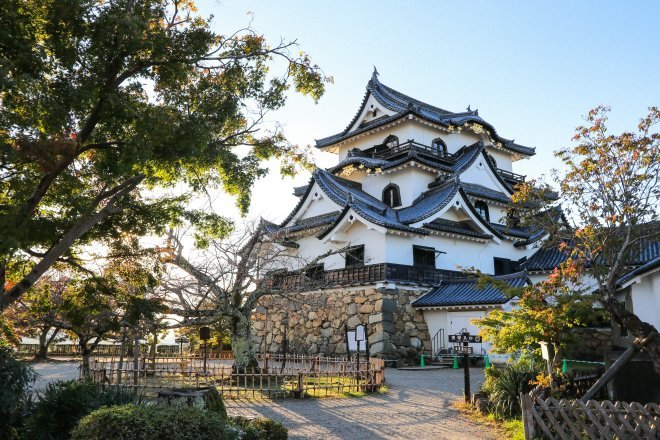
241 344
85 352
42 351
637 328
122 348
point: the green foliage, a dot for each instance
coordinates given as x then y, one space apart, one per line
504 385
62 404
213 402
261 429
107 109
15 377
545 312
140 422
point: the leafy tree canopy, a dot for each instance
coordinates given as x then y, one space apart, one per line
107 107
610 195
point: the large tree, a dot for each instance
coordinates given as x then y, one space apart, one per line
610 194
107 106
223 283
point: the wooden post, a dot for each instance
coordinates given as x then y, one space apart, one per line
136 357
348 347
528 418
466 373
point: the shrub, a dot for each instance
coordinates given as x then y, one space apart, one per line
62 404
504 385
141 422
261 429
213 402
15 377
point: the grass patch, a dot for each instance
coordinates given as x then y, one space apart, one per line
509 429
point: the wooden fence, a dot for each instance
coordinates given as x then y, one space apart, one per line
574 419
276 376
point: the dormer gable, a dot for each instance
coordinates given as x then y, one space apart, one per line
371 111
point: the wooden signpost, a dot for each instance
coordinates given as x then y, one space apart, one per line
461 341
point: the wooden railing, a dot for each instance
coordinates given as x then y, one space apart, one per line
411 145
368 274
511 177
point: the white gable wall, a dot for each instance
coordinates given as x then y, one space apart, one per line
645 295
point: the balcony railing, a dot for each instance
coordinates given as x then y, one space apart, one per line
411 145
510 177
361 275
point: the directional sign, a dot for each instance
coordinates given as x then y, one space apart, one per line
473 339
461 349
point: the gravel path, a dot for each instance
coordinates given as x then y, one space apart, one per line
417 406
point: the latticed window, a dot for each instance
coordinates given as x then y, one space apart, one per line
482 209
392 196
391 141
355 256
423 256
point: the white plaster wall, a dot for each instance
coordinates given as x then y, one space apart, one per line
453 321
479 173
460 253
503 159
645 296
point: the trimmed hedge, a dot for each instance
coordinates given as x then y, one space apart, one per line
140 422
62 404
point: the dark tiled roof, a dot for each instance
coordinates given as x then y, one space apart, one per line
547 258
429 202
486 193
404 105
299 191
462 228
313 222
466 292
640 270
348 194
513 232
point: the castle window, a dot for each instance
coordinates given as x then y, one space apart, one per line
315 272
504 266
391 141
482 209
355 256
439 146
423 256
392 196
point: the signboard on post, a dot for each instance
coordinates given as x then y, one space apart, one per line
472 339
463 350
462 340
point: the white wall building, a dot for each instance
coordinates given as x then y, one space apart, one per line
418 194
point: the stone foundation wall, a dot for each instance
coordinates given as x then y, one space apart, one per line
316 322
591 343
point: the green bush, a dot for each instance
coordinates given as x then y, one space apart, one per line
213 402
15 377
141 422
261 429
62 404
504 385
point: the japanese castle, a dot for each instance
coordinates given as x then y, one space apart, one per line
418 193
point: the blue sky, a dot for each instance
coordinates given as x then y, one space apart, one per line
531 68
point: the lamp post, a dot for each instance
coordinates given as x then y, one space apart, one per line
205 335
